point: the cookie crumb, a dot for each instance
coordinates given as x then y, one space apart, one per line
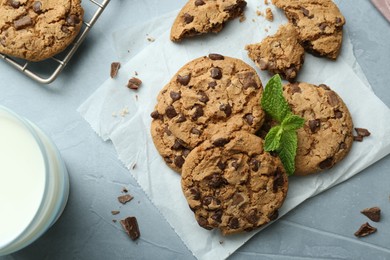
125 198
130 225
373 213
266 30
269 15
242 18
113 114
115 66
124 190
365 230
266 2
124 112
253 20
259 13
134 83
115 212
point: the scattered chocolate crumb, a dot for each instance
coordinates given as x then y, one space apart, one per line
269 15
242 18
134 83
135 73
134 165
114 220
115 66
220 242
124 190
266 30
358 138
365 230
362 132
115 212
125 198
253 20
150 39
136 97
130 225
373 213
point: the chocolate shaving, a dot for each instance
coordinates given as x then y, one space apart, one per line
130 225
125 198
373 213
115 66
365 230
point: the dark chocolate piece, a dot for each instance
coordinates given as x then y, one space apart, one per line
365 230
373 213
115 66
130 225
125 198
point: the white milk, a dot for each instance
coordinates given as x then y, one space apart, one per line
33 182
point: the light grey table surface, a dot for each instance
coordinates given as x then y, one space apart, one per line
321 228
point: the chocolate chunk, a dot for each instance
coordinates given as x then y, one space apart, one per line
255 164
212 84
198 112
365 230
333 100
215 56
170 112
177 145
167 159
314 125
294 88
237 199
291 73
23 22
185 152
226 108
115 212
338 114
175 95
179 161
323 26
195 131
134 83
274 215
342 146
37 7
199 2
202 221
217 216
373 213
65 29
167 131
358 138
115 66
14 4
216 73
234 223
125 198
305 11
203 97
2 41
249 119
278 180
195 193
236 9
155 115
216 181
263 64
72 20
181 119
130 225
220 142
188 18
235 165
324 86
362 132
327 163
252 217
124 190
184 80
248 80
221 165
338 20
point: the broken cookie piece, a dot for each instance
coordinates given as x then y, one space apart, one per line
205 16
279 54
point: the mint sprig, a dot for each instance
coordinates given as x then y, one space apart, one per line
281 138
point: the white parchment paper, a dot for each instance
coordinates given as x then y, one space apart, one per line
123 116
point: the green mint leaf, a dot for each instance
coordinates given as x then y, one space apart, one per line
273 101
287 150
292 122
272 140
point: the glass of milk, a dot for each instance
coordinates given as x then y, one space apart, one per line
34 184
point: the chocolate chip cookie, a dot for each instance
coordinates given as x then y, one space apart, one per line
232 184
36 30
319 24
279 54
205 16
327 135
206 95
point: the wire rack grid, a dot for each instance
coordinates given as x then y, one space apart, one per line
56 64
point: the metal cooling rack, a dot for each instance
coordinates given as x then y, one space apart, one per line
48 70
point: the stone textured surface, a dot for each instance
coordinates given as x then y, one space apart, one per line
232 184
36 30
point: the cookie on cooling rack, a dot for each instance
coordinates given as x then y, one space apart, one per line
36 30
205 95
232 184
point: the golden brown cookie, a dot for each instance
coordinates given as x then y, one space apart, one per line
232 184
205 95
205 16
327 136
319 24
36 30
279 54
